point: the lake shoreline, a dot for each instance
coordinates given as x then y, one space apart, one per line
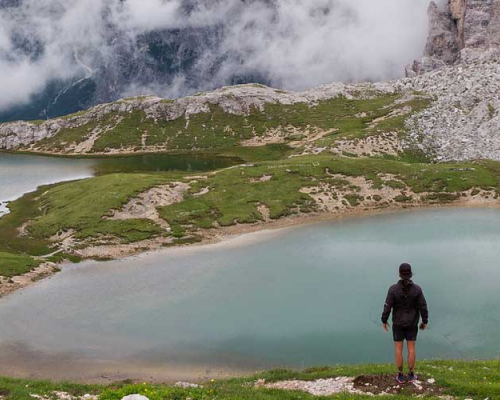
105 156
16 283
240 234
221 235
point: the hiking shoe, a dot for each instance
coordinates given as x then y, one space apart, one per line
412 377
400 378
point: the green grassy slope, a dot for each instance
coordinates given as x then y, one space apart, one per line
219 130
81 206
235 195
13 264
473 380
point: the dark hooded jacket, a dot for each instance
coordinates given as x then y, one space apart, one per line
407 303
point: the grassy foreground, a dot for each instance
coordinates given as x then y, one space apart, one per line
462 380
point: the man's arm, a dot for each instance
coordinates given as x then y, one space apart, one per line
389 302
424 312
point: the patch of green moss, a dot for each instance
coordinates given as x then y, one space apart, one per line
402 198
395 184
14 264
353 199
491 110
442 197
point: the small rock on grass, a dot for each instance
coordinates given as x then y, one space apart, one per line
186 385
135 397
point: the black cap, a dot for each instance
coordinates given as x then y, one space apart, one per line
405 270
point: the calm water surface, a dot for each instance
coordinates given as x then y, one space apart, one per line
20 174
306 296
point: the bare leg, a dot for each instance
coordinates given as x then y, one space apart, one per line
398 347
412 355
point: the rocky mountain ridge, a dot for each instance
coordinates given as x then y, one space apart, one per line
236 100
460 72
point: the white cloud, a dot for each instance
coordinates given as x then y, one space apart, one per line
296 44
139 16
357 40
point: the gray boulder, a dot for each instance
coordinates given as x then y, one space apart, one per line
135 397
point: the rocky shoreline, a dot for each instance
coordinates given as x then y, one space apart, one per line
11 285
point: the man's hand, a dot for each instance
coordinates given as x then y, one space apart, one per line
386 327
423 326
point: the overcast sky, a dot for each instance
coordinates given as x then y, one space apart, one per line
297 44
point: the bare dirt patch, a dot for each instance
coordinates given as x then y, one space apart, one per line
357 193
264 178
88 144
272 136
202 192
265 212
319 387
386 384
145 205
374 145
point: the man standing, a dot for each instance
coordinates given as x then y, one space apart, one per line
407 303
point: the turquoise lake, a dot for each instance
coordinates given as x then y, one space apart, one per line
310 295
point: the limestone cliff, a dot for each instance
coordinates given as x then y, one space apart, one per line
464 29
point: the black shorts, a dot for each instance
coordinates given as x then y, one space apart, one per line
408 333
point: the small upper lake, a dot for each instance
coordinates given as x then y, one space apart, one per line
21 173
306 296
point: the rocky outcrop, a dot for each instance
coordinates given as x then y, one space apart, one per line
457 10
481 24
21 133
464 121
443 42
464 45
465 29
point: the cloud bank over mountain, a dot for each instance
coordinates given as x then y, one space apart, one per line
176 47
